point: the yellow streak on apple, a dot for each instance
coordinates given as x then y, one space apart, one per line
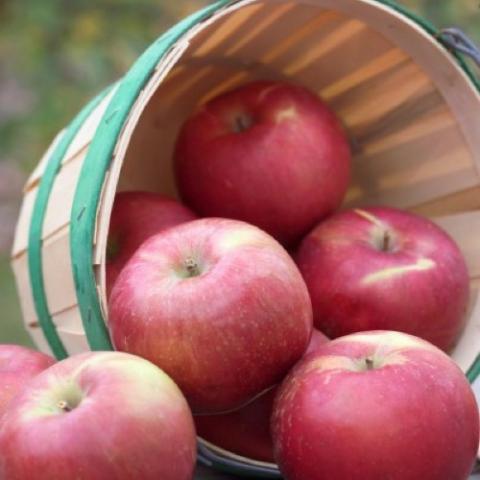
247 236
268 90
388 341
371 218
422 264
332 362
286 114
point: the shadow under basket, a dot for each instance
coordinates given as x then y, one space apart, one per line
411 108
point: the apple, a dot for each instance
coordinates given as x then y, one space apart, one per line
271 154
385 269
246 431
17 366
99 416
376 405
135 217
216 303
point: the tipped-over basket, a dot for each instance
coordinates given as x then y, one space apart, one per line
410 105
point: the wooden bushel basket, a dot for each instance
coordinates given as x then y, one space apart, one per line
411 107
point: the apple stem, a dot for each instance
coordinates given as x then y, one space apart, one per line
369 363
63 405
192 267
242 123
386 241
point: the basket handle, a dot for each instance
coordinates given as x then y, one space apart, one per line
458 40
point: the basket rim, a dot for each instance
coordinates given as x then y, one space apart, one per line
89 188
91 180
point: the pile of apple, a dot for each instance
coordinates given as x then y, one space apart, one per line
230 316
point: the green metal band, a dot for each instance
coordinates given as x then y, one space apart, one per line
35 263
474 371
93 172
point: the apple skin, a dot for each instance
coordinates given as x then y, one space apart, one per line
246 432
137 216
412 416
122 419
271 154
420 286
17 366
219 305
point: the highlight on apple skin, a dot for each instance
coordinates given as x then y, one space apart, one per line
271 154
246 431
383 268
376 405
17 366
136 216
219 305
98 416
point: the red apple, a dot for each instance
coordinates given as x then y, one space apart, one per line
385 269
246 431
219 305
137 216
99 416
17 366
271 154
376 406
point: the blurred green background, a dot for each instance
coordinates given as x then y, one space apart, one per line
55 54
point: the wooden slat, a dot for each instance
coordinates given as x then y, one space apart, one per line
261 23
332 66
159 127
185 83
38 338
87 130
379 65
71 331
462 201
225 30
439 120
267 34
37 173
239 78
291 28
333 41
407 196
23 223
319 21
69 321
372 101
415 108
233 81
57 272
29 316
413 161
22 281
60 202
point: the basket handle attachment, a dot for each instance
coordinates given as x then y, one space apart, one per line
458 40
